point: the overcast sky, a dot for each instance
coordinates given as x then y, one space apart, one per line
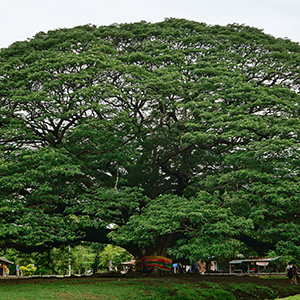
22 19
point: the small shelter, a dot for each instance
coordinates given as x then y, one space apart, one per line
3 266
127 266
249 264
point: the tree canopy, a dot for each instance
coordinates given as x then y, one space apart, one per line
174 136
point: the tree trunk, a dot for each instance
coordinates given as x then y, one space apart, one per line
159 248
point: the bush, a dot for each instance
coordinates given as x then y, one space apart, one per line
28 270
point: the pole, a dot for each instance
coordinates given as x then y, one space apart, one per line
70 261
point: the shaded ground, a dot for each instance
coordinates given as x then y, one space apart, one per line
181 286
266 280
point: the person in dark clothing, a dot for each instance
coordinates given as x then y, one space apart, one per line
294 271
197 267
289 271
144 265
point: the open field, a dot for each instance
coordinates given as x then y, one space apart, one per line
133 287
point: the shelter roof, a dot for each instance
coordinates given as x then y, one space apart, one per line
132 262
261 259
237 261
5 260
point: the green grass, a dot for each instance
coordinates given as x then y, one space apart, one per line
71 289
125 288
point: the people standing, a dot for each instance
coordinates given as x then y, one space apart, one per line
6 271
289 271
144 265
294 271
17 270
197 266
202 267
175 268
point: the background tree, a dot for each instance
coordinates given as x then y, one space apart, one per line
114 254
150 135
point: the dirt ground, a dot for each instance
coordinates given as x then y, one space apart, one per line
282 281
193 278
266 280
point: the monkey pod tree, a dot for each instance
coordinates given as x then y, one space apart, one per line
158 137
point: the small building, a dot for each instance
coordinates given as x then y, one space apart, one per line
250 265
4 262
127 266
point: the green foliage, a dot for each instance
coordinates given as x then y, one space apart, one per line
83 257
175 131
28 270
296 297
199 217
114 254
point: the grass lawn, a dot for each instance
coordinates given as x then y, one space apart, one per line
133 288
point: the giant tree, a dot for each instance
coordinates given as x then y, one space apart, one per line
150 135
